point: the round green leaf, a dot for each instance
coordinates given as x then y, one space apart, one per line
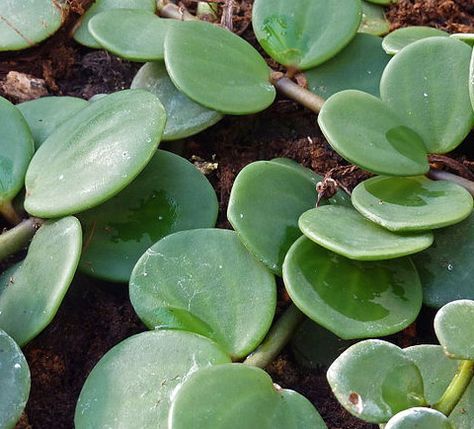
402 37
95 154
373 20
15 376
353 299
373 137
32 290
82 35
169 195
374 380
235 396
419 418
427 85
16 150
44 115
217 68
205 281
184 117
266 200
453 326
358 66
26 23
134 34
446 268
464 37
411 203
344 231
307 33
471 80
133 384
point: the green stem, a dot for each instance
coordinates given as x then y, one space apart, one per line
9 213
277 338
16 238
444 175
456 389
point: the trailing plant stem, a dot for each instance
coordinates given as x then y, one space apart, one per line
16 238
279 335
444 175
456 389
9 213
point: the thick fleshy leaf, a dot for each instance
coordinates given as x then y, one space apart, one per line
374 380
169 195
419 418
235 396
471 80
308 33
402 37
463 415
452 325
205 281
26 23
133 384
184 116
464 37
266 200
373 20
384 2
346 232
32 290
446 269
230 76
373 136
353 299
411 203
358 66
427 85
82 35
95 154
44 115
133 34
15 376
16 150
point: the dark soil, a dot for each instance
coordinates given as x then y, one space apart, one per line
96 316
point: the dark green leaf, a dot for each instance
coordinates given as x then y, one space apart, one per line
373 20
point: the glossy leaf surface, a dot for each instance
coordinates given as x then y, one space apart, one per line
452 326
32 290
358 66
266 200
132 385
133 34
446 269
230 76
353 299
427 84
346 232
379 142
235 396
419 418
95 154
82 35
205 281
394 383
373 20
411 203
15 376
169 195
26 23
45 114
16 150
184 116
402 37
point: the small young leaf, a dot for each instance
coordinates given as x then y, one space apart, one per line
307 33
15 376
184 117
411 203
374 380
373 20
235 396
452 325
419 418
402 37
229 76
353 299
205 281
32 290
133 384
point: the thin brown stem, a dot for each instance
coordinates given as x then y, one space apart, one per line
9 213
170 10
444 175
